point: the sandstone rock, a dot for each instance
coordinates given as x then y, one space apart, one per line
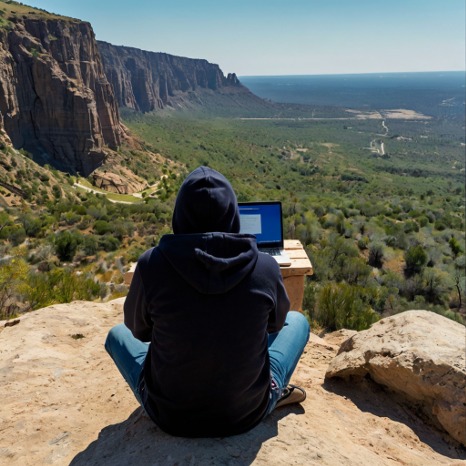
55 99
64 402
122 181
418 354
147 81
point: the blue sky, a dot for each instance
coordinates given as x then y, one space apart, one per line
283 37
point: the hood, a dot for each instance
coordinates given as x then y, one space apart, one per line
212 263
205 203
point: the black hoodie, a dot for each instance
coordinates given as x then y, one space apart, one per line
206 299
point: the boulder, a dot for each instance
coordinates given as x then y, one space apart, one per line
419 355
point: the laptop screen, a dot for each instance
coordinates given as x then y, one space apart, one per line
264 220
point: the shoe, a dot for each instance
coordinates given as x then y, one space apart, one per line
291 394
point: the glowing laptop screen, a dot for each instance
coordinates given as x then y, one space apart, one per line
264 220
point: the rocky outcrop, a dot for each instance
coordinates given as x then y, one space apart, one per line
55 99
417 354
147 81
65 403
119 181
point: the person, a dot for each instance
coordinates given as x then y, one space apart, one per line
208 344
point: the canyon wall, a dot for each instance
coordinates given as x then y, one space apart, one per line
55 99
60 89
147 81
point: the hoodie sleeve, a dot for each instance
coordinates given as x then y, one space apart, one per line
136 316
277 318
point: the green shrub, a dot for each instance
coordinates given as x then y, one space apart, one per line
455 246
89 245
353 270
59 286
340 305
14 233
101 227
434 287
415 259
13 274
31 224
66 243
376 255
109 243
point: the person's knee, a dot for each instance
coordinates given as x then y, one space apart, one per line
297 318
113 336
299 321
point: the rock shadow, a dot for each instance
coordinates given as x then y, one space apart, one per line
137 440
373 398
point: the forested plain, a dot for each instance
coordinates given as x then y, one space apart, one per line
377 203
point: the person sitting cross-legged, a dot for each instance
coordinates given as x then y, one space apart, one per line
208 344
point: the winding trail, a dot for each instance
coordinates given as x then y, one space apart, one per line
95 191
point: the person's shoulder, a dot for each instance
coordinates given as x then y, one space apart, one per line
148 256
267 261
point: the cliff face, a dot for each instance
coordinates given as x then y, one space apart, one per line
60 89
147 81
55 100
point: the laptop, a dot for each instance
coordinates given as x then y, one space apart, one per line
264 221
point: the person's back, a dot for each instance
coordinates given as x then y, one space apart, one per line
206 300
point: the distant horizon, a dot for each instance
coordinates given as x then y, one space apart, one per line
434 93
348 74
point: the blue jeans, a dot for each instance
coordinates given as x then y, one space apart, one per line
285 349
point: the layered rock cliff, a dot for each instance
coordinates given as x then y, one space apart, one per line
60 89
147 81
55 99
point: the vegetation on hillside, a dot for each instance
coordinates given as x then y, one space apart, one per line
10 11
385 232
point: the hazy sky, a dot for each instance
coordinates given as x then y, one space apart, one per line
279 37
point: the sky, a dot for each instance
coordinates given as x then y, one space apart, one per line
285 37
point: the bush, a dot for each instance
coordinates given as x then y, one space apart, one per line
375 255
109 243
32 225
12 278
434 287
454 246
101 227
59 286
340 305
353 270
66 244
415 259
15 233
90 245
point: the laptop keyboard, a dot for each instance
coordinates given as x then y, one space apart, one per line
271 251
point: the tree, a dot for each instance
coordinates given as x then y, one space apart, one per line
375 255
66 244
459 275
415 260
